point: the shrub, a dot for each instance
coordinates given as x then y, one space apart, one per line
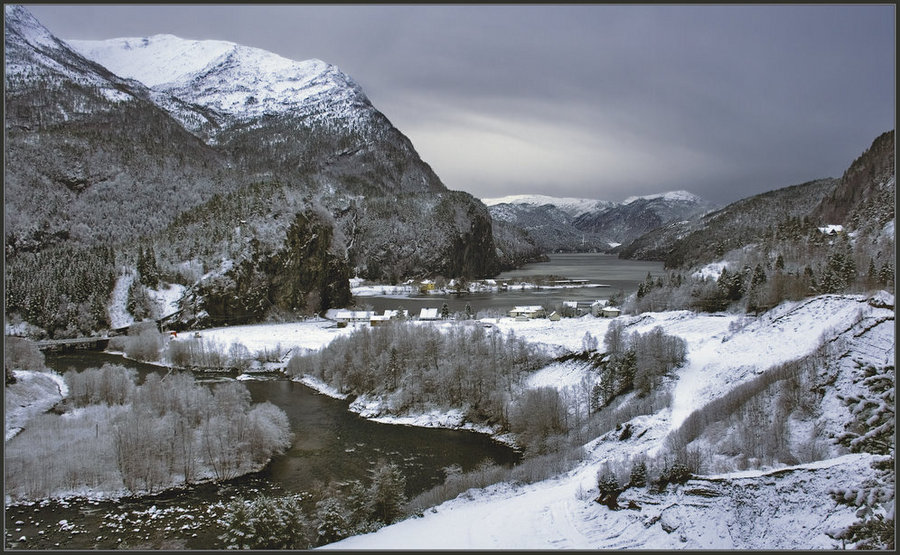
22 354
266 523
144 342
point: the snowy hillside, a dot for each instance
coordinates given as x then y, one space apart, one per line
777 506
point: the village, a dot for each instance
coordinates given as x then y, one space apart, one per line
570 309
439 286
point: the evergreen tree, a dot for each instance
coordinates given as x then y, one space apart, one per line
331 517
239 530
387 494
445 311
886 274
638 475
608 487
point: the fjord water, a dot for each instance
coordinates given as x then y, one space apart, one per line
613 273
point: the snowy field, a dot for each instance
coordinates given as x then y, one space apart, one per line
772 508
312 335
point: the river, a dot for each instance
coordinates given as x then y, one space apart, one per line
330 442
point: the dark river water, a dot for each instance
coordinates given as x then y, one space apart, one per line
330 443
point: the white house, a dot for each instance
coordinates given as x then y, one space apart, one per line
532 311
597 307
611 312
353 316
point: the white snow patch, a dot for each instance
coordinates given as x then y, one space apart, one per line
119 317
710 271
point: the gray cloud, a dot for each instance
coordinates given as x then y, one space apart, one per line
601 101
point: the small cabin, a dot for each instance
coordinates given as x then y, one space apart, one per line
610 312
528 312
554 316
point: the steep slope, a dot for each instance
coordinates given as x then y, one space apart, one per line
861 202
706 238
89 156
866 189
311 126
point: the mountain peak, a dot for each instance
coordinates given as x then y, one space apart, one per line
238 81
674 196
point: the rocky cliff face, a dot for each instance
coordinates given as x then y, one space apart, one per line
302 276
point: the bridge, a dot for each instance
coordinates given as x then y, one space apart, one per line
81 343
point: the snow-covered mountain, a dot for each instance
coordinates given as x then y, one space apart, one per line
571 206
236 83
577 224
149 137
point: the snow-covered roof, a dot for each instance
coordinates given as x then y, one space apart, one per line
428 314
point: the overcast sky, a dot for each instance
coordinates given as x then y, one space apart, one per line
595 101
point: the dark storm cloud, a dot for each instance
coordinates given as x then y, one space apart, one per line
600 101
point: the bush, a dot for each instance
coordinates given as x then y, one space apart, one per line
144 342
111 384
608 487
22 354
638 477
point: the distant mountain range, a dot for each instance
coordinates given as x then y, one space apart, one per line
587 225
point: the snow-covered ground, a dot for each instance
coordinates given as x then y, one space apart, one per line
118 313
724 512
772 508
33 393
165 299
311 334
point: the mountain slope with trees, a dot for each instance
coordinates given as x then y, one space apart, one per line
100 159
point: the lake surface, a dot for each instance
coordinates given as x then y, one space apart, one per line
608 270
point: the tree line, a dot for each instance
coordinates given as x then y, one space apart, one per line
416 366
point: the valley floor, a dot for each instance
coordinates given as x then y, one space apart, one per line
778 506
